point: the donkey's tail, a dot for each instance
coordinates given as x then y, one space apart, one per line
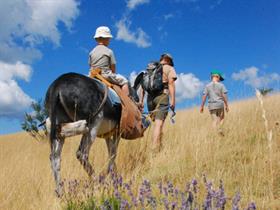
53 106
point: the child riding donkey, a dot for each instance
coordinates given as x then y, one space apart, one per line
103 66
102 58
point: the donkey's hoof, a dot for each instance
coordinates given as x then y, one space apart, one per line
59 193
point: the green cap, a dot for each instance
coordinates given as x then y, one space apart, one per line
216 72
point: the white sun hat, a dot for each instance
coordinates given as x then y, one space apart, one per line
103 32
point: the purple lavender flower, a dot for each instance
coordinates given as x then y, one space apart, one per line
209 196
221 197
120 181
194 184
173 205
117 194
166 203
176 192
130 193
160 187
235 201
124 204
190 198
165 191
252 206
106 205
170 188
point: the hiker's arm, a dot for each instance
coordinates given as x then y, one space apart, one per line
113 68
225 101
141 98
142 95
171 88
204 97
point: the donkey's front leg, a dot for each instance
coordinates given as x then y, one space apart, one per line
55 157
112 146
83 153
85 145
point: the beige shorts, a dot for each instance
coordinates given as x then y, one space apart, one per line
116 79
217 114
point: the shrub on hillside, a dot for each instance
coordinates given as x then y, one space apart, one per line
34 122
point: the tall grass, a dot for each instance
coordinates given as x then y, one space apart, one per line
242 158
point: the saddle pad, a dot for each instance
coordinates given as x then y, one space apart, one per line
131 126
112 95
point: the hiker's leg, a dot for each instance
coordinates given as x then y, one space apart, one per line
157 135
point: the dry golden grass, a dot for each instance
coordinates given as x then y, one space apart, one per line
191 148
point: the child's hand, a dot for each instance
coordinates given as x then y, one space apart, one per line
201 109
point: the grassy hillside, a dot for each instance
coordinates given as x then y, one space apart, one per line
244 159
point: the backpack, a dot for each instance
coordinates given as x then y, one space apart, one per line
152 78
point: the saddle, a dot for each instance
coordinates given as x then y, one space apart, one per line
131 126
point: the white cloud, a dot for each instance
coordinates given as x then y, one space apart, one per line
188 86
250 77
132 77
168 16
138 37
25 24
13 101
216 4
132 4
17 70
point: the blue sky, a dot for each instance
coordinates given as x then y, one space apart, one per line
46 38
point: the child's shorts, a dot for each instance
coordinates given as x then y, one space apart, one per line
116 79
217 113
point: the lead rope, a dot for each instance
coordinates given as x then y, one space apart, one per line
172 117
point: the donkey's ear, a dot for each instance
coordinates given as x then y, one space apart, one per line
138 80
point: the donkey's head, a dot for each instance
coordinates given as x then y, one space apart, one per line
133 89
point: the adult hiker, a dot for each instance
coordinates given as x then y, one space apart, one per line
161 100
103 58
216 93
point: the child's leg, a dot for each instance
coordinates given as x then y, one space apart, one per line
116 79
215 119
221 116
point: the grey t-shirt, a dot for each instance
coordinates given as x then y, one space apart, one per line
101 57
214 92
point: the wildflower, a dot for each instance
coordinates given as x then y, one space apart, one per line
194 184
221 197
160 187
235 201
252 206
166 203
